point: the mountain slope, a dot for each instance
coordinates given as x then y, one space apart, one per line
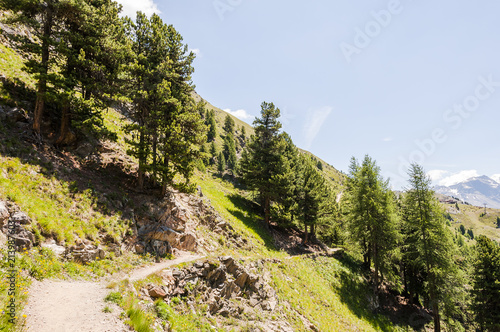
476 191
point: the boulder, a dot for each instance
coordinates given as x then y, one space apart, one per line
20 217
157 292
58 250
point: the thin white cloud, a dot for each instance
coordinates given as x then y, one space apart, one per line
437 174
458 177
131 7
496 177
314 123
387 139
240 114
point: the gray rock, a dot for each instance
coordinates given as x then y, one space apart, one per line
21 218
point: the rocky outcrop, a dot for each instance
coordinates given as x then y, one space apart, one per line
13 225
84 252
228 288
174 223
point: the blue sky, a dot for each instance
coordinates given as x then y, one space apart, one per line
399 80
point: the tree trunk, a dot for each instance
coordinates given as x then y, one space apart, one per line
65 122
435 312
306 235
155 140
267 211
164 181
375 272
142 161
42 82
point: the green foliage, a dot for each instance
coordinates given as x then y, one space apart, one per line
498 222
371 215
168 128
163 310
212 126
115 297
221 163
78 61
228 125
262 163
470 233
139 319
428 249
462 229
229 151
486 284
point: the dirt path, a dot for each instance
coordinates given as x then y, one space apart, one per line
77 306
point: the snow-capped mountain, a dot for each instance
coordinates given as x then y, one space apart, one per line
476 191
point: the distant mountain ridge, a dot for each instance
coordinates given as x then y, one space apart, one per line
477 191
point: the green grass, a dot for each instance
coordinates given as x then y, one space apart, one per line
53 205
240 212
330 294
470 217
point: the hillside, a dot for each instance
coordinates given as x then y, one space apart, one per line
101 231
87 193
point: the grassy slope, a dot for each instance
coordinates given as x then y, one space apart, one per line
330 293
470 217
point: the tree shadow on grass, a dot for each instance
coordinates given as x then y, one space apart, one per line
357 294
250 220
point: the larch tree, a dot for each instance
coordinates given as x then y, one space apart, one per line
486 284
428 246
371 215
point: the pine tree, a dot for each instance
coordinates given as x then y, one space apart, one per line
229 151
311 194
243 133
45 18
213 153
371 214
94 49
168 128
498 222
221 163
263 161
212 126
228 124
486 284
428 245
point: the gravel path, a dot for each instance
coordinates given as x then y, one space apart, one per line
77 306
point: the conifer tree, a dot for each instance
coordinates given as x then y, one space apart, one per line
229 151
45 18
428 247
168 128
486 284
311 192
228 124
212 126
263 161
94 49
371 215
213 153
221 163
